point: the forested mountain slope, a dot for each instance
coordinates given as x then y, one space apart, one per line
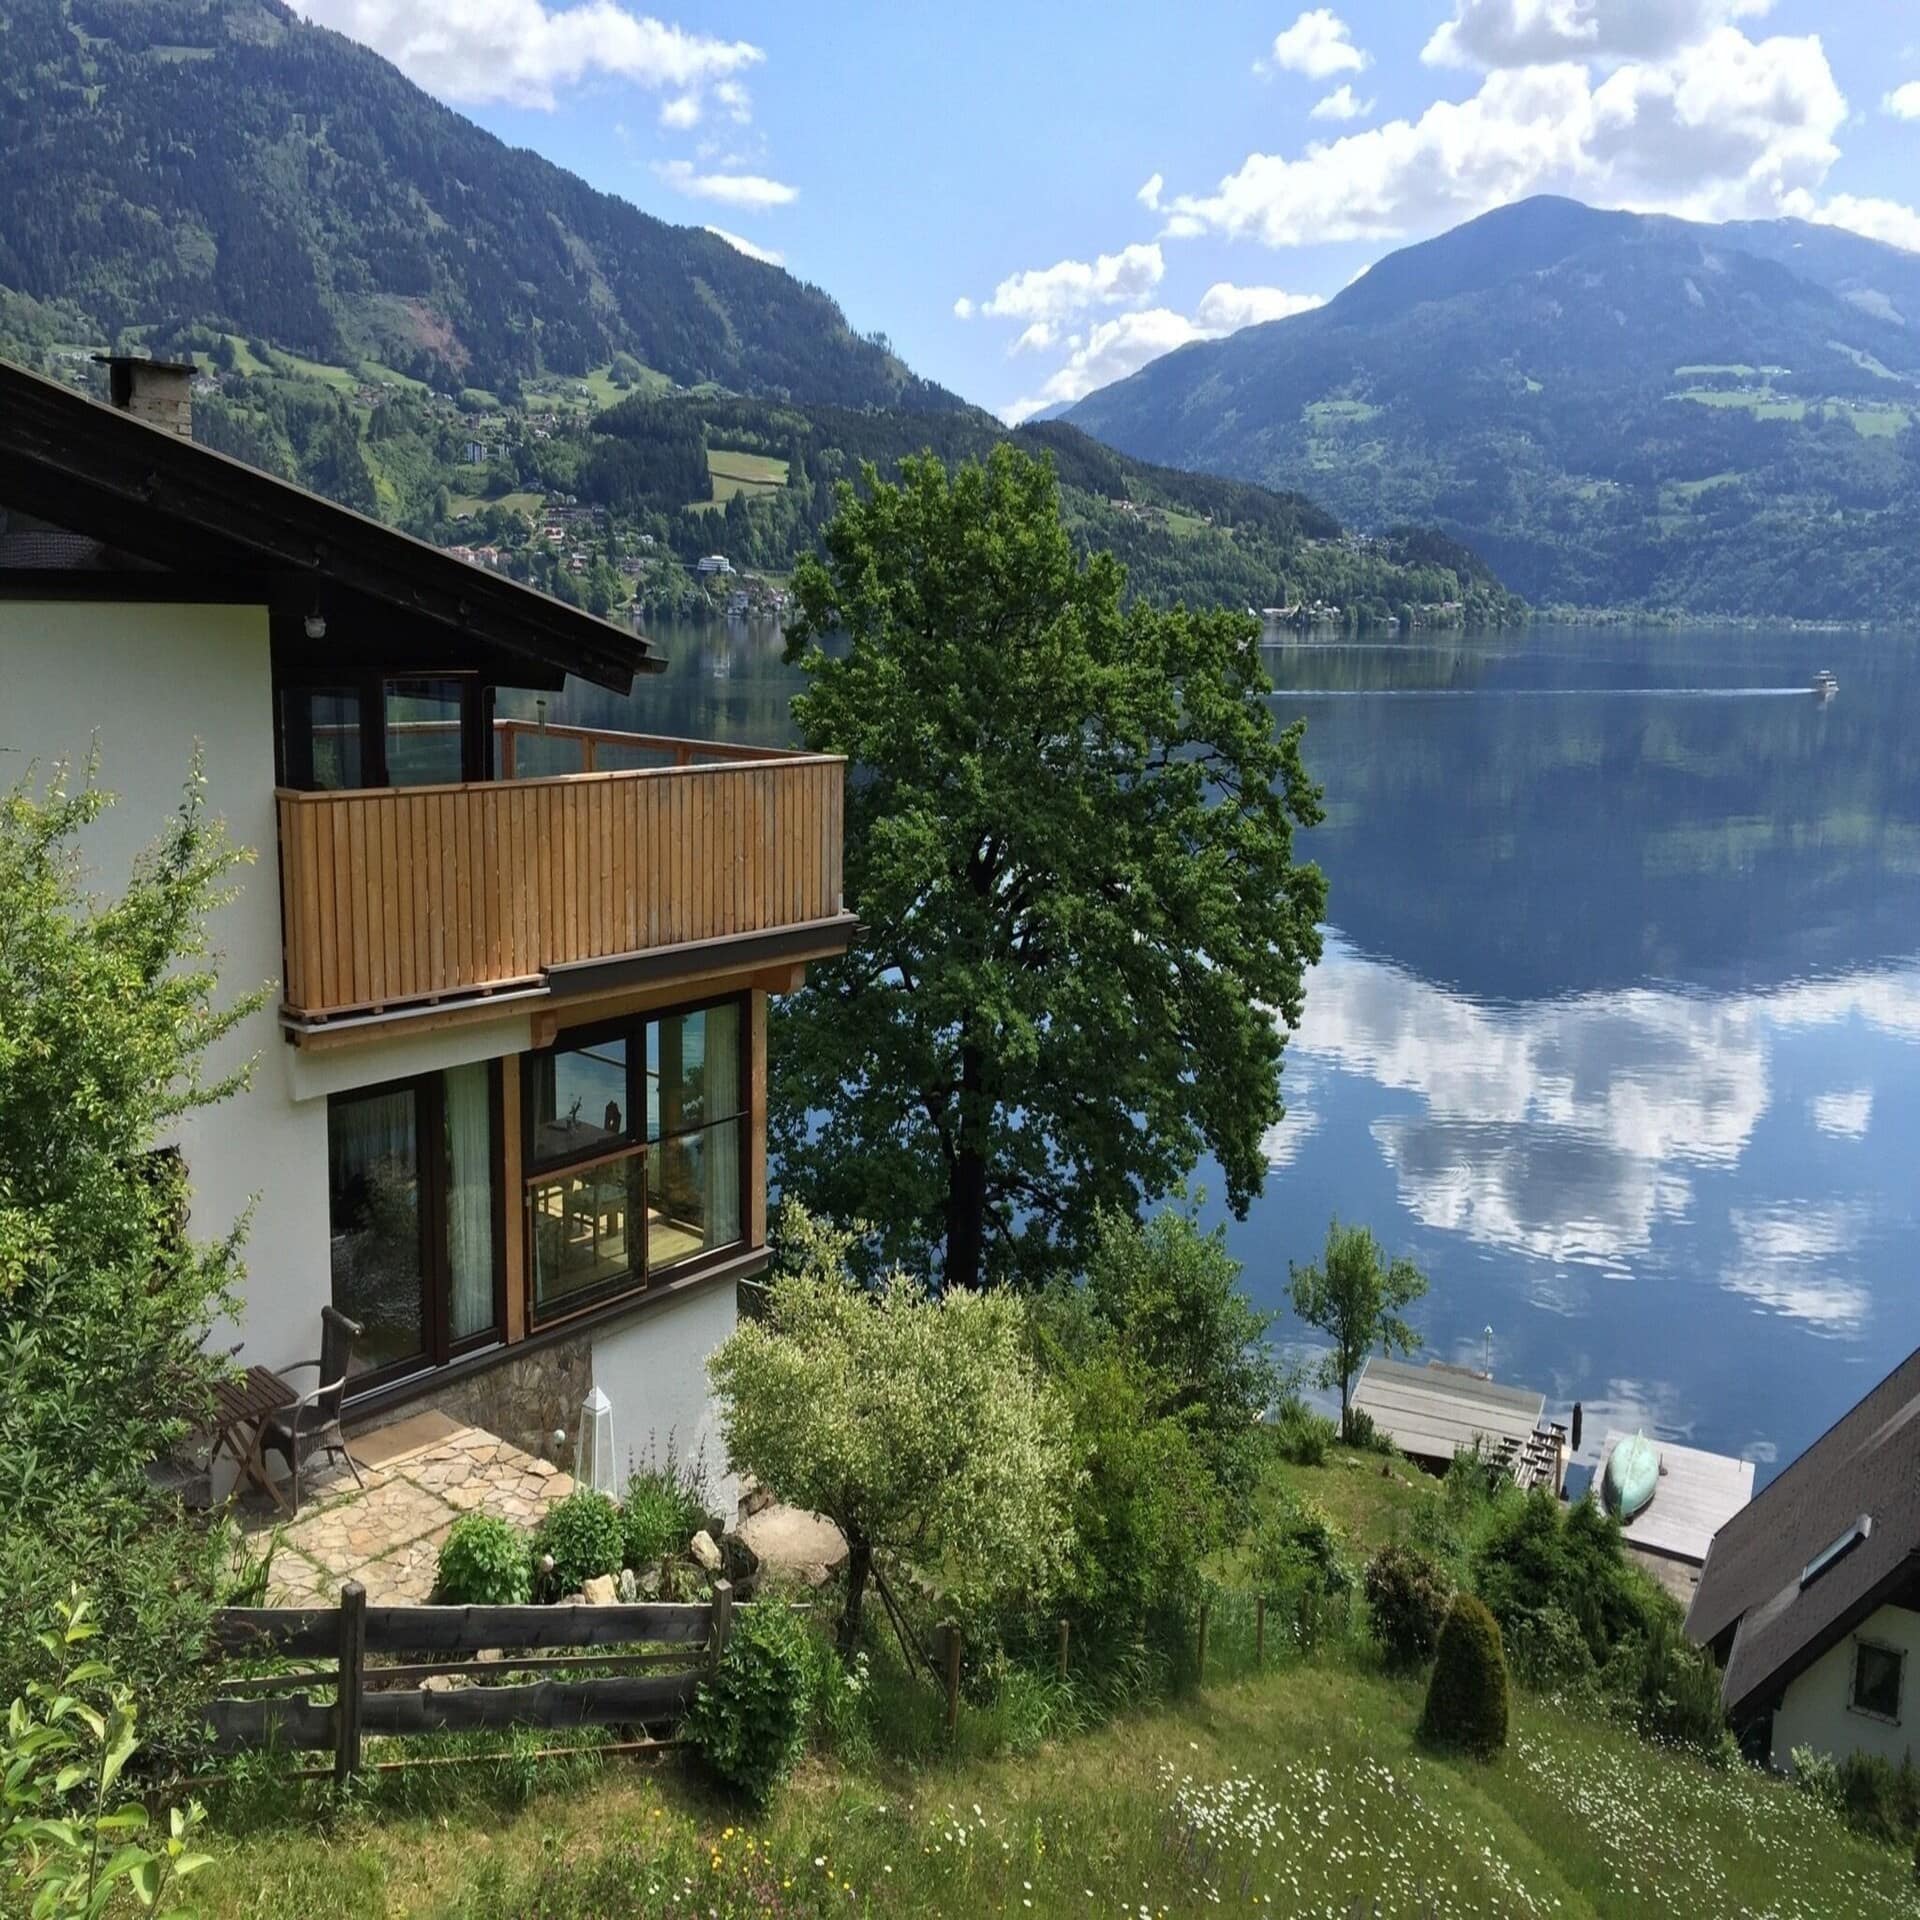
1612 408
225 162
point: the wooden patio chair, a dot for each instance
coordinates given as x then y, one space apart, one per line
312 1423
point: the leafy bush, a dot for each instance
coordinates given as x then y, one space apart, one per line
1817 1773
582 1534
1674 1691
1877 1799
1467 1697
1407 1599
484 1562
749 1718
67 1824
1362 1433
1302 1436
1294 1547
665 1506
1547 1652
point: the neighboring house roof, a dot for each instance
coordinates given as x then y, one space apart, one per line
99 471
1436 1411
1756 1582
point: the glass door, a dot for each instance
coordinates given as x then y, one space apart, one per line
377 1215
426 732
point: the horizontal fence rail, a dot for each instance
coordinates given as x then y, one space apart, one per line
641 1689
399 896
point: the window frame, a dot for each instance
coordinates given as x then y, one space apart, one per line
1898 1655
432 1157
294 737
632 1028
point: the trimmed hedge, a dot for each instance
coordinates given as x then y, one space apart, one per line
1467 1697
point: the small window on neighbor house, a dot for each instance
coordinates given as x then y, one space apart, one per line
1876 1680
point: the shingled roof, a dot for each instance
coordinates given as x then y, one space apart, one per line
1825 1545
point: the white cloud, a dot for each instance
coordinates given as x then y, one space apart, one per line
1148 193
1071 286
1903 103
681 112
963 308
736 99
767 255
1037 338
1108 352
1225 308
1528 33
1886 220
1725 128
1846 1114
731 189
1318 44
526 52
1341 104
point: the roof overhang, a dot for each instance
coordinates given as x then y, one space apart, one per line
101 472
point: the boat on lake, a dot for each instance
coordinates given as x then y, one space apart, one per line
1825 686
1631 1476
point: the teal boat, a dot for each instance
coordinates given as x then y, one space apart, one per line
1633 1472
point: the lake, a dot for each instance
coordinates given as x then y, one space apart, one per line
1617 1033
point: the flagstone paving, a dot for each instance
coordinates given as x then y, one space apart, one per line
419 1476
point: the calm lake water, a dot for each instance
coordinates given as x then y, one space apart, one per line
1618 1029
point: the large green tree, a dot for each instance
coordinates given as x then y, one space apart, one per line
1070 843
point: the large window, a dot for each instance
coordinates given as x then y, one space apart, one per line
410 730
414 1216
635 1156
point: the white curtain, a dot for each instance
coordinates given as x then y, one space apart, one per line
721 1090
470 1197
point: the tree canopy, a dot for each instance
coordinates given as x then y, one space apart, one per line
1355 1294
1070 843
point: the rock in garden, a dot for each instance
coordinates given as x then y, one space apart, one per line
787 1540
704 1551
600 1591
742 1564
626 1589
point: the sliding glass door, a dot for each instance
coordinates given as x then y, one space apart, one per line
413 1198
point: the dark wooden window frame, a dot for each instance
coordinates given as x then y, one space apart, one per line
430 1153
633 1029
293 739
1899 1658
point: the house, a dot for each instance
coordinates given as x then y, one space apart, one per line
508 1106
1697 1494
1810 1597
713 563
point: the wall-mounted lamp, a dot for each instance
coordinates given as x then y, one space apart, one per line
316 623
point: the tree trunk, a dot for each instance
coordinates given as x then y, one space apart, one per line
859 1566
967 1183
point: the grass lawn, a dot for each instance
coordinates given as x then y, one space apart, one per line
1296 1792
1369 1508
748 473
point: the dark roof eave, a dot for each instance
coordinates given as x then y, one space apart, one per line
145 491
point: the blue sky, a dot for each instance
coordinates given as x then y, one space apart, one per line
1032 200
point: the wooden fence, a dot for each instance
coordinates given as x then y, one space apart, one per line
649 1690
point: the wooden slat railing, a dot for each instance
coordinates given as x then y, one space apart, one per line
416 894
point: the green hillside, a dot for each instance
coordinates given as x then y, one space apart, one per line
222 161
1613 409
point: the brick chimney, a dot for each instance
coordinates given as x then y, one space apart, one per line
160 392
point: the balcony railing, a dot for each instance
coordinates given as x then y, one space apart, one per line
398 897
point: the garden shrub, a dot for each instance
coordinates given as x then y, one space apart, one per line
1674 1691
1877 1799
1302 1436
749 1718
1407 1598
484 1562
1547 1652
582 1533
1293 1547
665 1506
1467 1697
1362 1433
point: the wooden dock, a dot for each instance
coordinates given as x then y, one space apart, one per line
1435 1411
1697 1495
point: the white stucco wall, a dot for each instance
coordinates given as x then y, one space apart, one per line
654 1370
1814 1711
146 683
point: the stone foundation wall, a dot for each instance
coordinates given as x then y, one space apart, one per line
523 1399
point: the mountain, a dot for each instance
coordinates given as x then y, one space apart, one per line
1612 408
224 162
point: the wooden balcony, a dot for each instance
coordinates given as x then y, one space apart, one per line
398 899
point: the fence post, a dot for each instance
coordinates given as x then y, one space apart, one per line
353 1666
1066 1628
952 1650
1200 1672
722 1622
1260 1630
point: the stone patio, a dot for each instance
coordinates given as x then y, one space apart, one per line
421 1474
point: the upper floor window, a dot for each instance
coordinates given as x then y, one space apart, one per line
1877 1672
